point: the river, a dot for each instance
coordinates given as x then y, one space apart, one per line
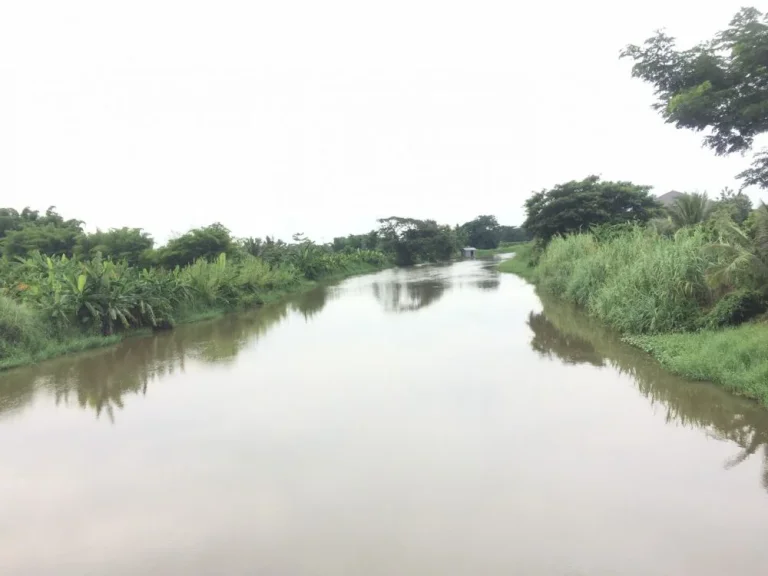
439 420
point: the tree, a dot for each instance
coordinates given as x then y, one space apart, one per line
354 242
736 204
207 242
514 234
412 241
129 244
578 205
690 209
720 86
28 232
743 255
483 232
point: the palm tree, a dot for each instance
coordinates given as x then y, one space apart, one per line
690 209
742 256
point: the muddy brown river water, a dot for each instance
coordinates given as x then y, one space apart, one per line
440 420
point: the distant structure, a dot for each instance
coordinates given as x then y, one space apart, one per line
468 252
669 198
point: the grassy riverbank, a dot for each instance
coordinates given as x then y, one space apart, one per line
520 263
658 293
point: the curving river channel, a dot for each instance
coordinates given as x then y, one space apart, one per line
439 420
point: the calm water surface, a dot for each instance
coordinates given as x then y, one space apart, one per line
432 421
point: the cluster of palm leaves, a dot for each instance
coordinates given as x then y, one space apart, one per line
108 296
98 294
315 262
742 253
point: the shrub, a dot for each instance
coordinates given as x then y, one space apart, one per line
735 308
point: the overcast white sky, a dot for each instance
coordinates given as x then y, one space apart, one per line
275 117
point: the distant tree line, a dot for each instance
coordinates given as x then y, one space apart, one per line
412 241
407 240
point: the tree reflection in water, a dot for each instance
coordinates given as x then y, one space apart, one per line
410 296
563 331
99 379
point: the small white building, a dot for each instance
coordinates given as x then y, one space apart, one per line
468 252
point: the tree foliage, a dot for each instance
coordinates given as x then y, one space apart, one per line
369 241
720 85
736 205
129 244
207 242
578 205
514 234
483 232
691 209
29 231
412 241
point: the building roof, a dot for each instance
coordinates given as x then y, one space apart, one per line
469 248
669 198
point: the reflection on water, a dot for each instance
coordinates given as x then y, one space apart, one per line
100 378
409 296
564 332
413 289
417 421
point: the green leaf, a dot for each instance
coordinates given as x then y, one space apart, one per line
81 282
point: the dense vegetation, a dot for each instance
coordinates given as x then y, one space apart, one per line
695 299
62 288
676 285
577 205
412 241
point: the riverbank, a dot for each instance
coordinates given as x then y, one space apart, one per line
45 347
736 358
520 263
504 248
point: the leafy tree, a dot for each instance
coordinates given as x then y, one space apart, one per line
30 232
48 240
129 244
483 232
690 209
251 245
736 204
578 205
207 242
10 220
514 234
720 86
369 241
412 241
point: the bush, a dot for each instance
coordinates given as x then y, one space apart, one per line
735 308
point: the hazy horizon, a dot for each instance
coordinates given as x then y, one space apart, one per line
278 118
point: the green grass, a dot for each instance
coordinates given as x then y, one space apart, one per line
735 358
520 263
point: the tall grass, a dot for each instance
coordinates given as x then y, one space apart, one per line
637 281
20 328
